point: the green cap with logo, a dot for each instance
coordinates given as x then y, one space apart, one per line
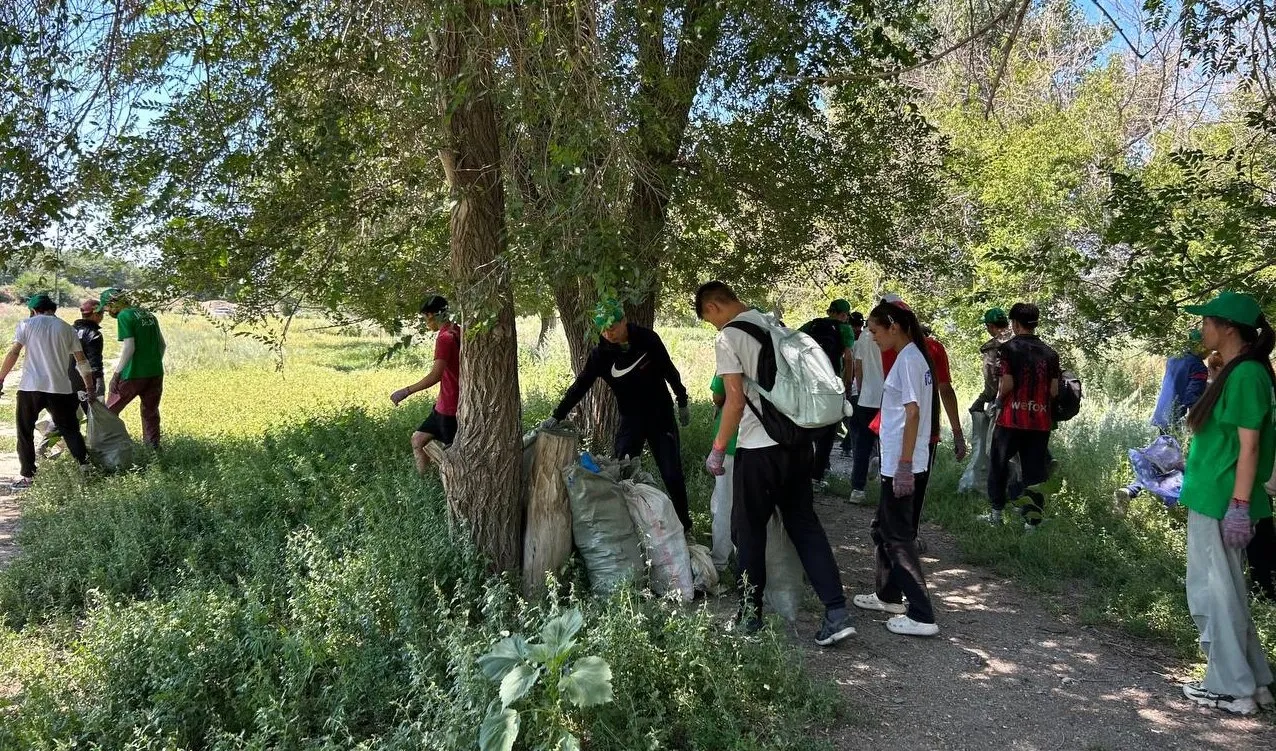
839 306
996 317
608 313
109 295
1236 307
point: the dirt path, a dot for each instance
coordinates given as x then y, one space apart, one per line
1004 673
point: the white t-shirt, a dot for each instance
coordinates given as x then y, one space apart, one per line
737 352
870 357
909 382
49 343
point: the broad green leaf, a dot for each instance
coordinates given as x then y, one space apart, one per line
499 731
540 653
517 683
568 742
558 633
588 683
507 653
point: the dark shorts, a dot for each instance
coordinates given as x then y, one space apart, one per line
442 427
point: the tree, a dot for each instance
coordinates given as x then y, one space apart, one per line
483 470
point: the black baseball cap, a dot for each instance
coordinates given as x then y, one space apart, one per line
434 304
857 319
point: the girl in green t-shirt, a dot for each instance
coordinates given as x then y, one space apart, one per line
1233 434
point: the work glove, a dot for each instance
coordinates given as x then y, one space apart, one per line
904 482
717 457
684 415
548 424
84 396
959 445
400 395
1237 529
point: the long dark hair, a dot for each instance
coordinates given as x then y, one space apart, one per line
1259 341
887 314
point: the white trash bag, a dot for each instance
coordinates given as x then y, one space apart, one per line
662 538
784 582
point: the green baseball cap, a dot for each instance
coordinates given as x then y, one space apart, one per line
1236 307
839 306
39 300
608 313
996 317
109 295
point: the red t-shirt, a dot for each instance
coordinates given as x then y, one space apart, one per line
1034 366
940 370
447 348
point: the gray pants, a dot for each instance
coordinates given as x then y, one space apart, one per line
1219 602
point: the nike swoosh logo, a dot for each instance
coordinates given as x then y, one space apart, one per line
621 373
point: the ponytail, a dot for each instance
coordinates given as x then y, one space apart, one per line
887 314
1259 341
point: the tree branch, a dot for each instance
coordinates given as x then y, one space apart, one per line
976 34
1005 57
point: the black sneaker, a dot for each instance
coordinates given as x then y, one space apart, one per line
833 631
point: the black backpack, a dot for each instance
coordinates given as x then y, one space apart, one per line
1068 403
827 332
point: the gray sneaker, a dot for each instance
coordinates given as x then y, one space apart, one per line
992 517
835 629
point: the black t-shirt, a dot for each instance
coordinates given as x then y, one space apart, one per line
640 374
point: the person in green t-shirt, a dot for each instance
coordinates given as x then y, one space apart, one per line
139 372
1232 436
720 503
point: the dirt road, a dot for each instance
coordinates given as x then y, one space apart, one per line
1004 673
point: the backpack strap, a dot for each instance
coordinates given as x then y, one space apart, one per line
765 357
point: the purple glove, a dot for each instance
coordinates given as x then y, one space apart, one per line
1237 529
959 445
400 395
904 483
715 461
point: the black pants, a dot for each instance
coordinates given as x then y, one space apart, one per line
779 477
1033 449
919 495
899 568
1261 555
666 449
63 409
865 440
823 449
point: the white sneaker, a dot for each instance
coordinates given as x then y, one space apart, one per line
1263 698
902 624
859 497
872 602
1236 705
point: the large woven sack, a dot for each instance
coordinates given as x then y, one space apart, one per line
602 529
662 539
107 438
784 584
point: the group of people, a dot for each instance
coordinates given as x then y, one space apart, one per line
63 371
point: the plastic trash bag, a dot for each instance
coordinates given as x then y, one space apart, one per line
1159 468
602 528
975 478
107 438
662 539
784 584
704 575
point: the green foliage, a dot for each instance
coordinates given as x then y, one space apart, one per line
297 586
520 665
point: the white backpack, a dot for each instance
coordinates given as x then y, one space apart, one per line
800 392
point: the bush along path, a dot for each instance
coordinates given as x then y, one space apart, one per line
1003 673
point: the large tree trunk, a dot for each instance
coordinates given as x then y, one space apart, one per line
482 471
